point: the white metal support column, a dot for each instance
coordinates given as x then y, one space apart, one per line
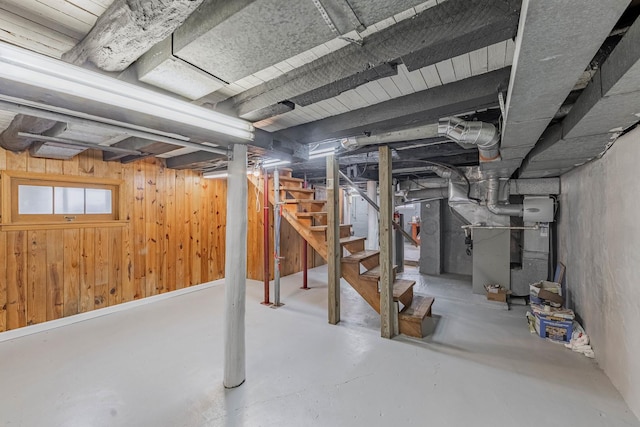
235 269
372 214
333 239
387 308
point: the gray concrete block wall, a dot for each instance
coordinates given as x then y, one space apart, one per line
598 235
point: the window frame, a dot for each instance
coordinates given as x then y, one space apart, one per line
11 218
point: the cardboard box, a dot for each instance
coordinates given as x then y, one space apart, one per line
554 328
499 295
546 291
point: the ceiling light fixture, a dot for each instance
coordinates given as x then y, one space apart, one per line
52 75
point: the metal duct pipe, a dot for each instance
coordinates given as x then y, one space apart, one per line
469 134
429 193
441 171
420 132
493 186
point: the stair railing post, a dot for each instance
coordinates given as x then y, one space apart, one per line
388 314
333 239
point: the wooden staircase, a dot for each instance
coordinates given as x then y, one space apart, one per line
361 268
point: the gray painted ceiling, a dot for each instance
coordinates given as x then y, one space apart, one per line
312 70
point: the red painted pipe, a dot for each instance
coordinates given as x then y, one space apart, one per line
304 250
266 238
304 265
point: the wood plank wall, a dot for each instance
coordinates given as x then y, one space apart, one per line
175 238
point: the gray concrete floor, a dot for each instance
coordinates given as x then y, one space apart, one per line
161 365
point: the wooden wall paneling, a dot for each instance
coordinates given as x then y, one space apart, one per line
102 266
204 230
115 261
54 166
128 292
182 230
3 281
195 247
161 248
36 165
3 159
170 237
71 271
211 229
254 243
55 274
101 168
139 235
16 279
87 269
16 162
150 248
221 226
37 277
70 167
85 163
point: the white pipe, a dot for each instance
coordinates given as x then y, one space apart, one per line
235 269
420 132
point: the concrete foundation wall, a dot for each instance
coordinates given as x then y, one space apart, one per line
598 235
455 257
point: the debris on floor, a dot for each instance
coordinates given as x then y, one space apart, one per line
580 341
548 319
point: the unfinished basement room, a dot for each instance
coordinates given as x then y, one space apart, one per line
319 213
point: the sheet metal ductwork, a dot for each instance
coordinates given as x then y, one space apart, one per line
467 134
493 186
10 140
420 132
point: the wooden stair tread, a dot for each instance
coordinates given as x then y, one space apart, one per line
351 239
401 287
288 179
315 202
298 189
323 228
373 274
309 214
360 256
418 310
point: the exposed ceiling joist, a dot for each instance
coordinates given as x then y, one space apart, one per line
417 108
460 25
555 43
127 29
607 106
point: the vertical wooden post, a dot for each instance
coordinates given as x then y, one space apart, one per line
235 269
333 238
387 315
